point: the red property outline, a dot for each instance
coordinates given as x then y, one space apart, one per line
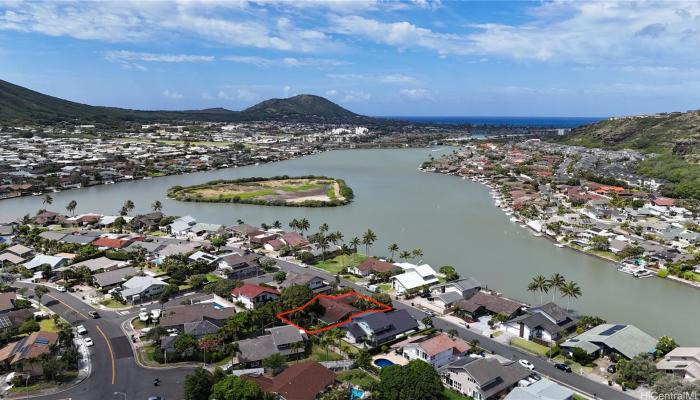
384 308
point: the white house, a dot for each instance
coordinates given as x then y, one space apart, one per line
414 277
142 287
437 350
251 295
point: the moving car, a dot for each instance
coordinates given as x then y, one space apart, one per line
94 314
61 288
88 342
81 330
527 364
562 367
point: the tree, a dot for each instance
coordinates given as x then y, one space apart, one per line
304 225
235 388
665 345
71 207
280 276
393 248
323 228
674 387
449 272
198 384
277 224
40 291
418 253
539 283
405 255
218 241
157 206
570 290
556 282
221 287
600 243
587 322
128 206
47 199
198 280
296 296
119 223
274 362
28 326
354 242
368 239
416 380
641 369
294 224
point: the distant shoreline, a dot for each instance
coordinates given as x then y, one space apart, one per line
520 122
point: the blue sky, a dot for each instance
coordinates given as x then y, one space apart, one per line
548 58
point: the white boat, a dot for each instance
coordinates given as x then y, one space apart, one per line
536 234
643 274
513 219
559 245
523 226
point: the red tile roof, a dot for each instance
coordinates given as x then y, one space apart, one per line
111 243
372 264
303 381
252 291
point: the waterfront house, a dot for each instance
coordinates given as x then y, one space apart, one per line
286 340
437 349
484 303
413 278
625 340
372 265
683 362
251 295
302 381
448 294
180 226
482 378
544 389
545 324
377 328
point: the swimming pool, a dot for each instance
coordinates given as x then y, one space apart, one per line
357 393
383 362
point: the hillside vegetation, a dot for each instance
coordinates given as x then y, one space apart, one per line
674 139
22 105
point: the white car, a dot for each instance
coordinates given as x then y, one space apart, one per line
81 330
88 342
527 364
61 288
155 313
143 316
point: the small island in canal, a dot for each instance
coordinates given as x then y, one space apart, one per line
301 191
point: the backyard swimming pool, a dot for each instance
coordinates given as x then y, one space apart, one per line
383 362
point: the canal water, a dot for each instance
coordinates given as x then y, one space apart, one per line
453 221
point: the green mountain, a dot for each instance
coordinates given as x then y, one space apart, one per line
19 104
674 138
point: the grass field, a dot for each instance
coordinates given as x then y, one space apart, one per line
111 303
530 347
318 353
47 325
448 394
32 388
356 377
335 265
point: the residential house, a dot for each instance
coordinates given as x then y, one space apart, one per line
10 258
484 303
52 235
373 266
139 288
180 226
545 324
413 278
42 259
236 266
99 264
625 340
178 317
112 278
437 350
482 378
683 362
302 381
333 310
544 389
377 328
7 302
314 282
286 340
447 294
146 222
251 295
204 230
25 352
294 239
111 243
19 250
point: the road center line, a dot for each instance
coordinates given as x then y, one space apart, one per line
111 353
73 309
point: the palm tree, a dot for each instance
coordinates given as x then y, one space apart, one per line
338 236
240 221
354 242
323 228
294 224
556 282
71 207
304 225
570 290
47 199
418 253
540 283
532 287
393 248
368 239
157 206
277 224
405 255
129 206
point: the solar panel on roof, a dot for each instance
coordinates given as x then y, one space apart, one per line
612 330
42 341
5 323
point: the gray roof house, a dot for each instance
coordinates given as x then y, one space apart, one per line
142 287
98 264
466 287
79 239
51 235
545 323
41 259
482 378
544 389
113 277
379 327
282 339
627 340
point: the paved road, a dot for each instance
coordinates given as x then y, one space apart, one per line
542 366
114 369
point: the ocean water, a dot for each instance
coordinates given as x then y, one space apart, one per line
544 122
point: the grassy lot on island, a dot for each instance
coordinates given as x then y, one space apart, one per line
336 264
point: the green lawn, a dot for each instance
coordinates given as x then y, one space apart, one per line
576 367
212 278
450 395
137 324
47 325
318 353
335 265
356 377
33 387
384 287
530 347
111 303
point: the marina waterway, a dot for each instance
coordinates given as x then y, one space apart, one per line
453 221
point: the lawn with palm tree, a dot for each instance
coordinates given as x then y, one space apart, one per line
338 263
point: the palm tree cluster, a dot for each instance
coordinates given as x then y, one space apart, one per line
301 225
555 283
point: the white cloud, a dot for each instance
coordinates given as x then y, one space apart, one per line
172 95
388 78
286 61
350 96
331 93
286 90
239 94
416 94
125 55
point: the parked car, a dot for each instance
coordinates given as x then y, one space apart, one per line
612 368
94 314
143 316
61 288
81 330
562 367
155 314
527 364
88 342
